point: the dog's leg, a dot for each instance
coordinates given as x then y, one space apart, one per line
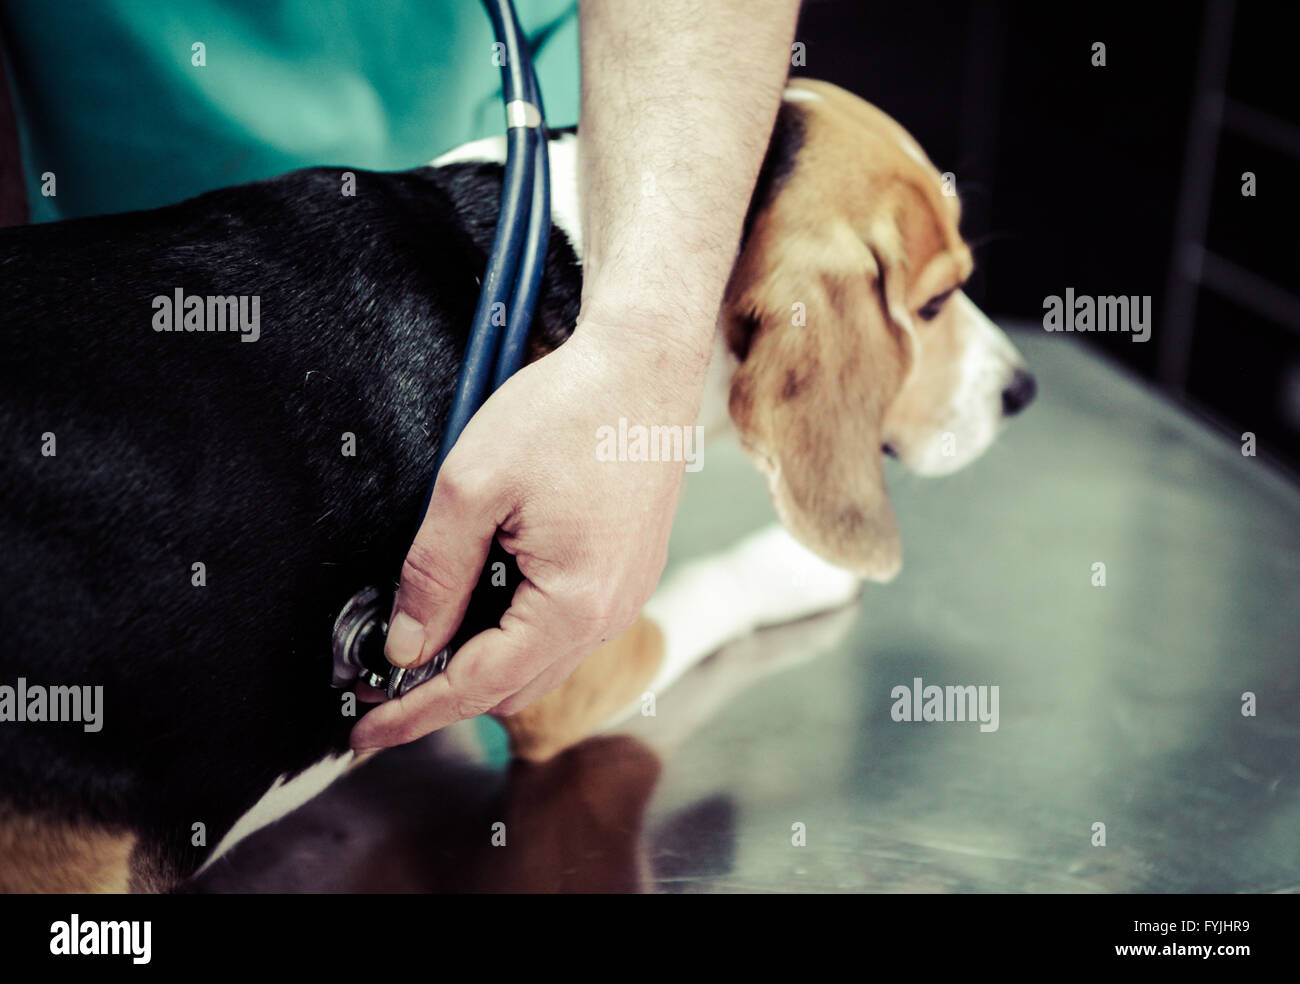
726 674
766 579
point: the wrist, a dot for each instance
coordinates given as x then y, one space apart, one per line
671 334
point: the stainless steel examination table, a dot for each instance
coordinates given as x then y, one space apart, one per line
1119 705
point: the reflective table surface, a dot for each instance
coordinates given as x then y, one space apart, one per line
1159 712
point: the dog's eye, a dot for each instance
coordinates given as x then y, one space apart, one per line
930 310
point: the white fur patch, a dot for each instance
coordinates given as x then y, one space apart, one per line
715 402
974 413
487 149
767 579
563 151
794 94
283 798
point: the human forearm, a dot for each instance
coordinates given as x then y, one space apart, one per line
678 100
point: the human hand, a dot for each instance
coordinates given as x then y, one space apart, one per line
590 536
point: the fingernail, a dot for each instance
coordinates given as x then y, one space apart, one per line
405 640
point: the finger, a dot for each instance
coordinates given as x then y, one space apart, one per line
491 667
438 575
550 678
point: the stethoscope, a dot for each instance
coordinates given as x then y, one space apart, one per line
493 353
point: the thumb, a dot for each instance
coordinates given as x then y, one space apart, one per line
439 573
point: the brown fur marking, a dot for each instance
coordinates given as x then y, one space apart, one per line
607 681
39 855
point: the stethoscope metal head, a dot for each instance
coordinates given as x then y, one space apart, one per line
357 643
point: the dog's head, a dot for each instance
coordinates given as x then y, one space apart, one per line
853 335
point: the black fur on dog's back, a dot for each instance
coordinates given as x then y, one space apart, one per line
177 448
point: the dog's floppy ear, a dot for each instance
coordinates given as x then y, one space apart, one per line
816 316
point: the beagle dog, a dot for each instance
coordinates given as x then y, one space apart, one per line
182 527
844 337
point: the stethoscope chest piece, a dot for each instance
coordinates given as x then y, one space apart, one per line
358 646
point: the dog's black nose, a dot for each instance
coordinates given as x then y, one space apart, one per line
1019 394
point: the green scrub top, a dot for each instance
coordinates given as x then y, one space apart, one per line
111 99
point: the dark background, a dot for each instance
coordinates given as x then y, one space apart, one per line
1123 179
1114 179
